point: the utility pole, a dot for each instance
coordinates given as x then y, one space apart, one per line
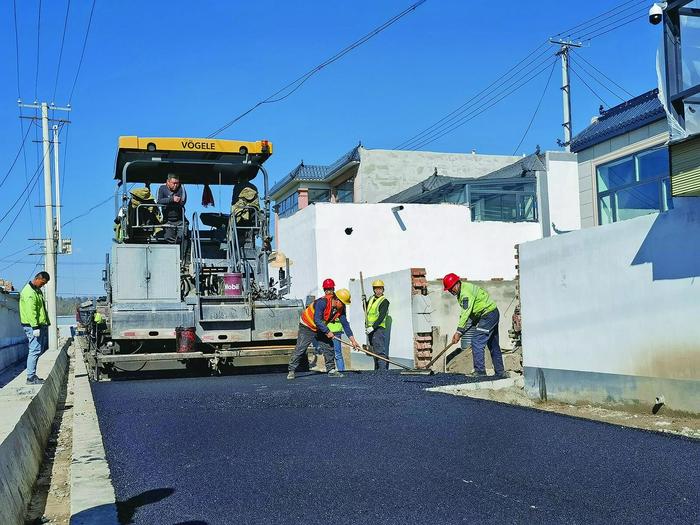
565 88
50 249
57 184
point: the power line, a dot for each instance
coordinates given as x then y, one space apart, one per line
82 53
38 42
588 86
60 53
506 76
569 31
626 20
584 70
608 20
478 112
21 149
578 55
101 203
19 251
470 108
297 83
544 91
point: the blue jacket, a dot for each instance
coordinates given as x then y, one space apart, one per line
320 307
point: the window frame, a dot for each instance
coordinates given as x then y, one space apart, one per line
612 194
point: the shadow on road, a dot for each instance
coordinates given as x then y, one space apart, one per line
127 509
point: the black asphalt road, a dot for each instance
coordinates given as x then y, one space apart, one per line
377 449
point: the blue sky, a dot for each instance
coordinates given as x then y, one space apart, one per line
181 68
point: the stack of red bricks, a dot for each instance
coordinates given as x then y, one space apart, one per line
422 342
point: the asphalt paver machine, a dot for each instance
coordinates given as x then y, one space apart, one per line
203 294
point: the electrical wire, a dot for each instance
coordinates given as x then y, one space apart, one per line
101 203
579 55
21 149
569 31
539 103
82 53
609 20
293 86
588 86
634 18
38 40
476 113
19 251
593 77
60 53
505 77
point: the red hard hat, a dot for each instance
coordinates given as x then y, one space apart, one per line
328 283
449 281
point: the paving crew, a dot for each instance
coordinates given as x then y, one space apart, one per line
35 321
377 312
313 327
336 327
479 309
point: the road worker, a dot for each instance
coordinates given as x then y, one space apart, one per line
336 327
173 197
377 312
35 321
313 326
481 311
328 290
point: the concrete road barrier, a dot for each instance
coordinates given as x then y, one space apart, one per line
25 425
92 493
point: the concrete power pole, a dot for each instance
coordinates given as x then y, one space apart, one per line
57 183
51 248
565 89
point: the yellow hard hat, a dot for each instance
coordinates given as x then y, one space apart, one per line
378 284
344 295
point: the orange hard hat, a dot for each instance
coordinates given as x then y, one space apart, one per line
328 283
449 281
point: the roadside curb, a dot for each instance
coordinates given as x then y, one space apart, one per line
27 414
92 493
497 384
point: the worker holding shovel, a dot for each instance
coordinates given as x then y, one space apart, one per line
477 307
313 326
377 312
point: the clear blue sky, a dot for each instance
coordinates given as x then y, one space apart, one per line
176 68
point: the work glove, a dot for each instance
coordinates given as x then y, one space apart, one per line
36 332
369 330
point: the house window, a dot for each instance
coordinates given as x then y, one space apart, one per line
319 195
633 186
345 192
504 202
288 205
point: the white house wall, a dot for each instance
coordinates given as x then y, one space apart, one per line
438 237
612 312
563 191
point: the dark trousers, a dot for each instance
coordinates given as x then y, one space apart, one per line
377 340
172 232
486 334
304 339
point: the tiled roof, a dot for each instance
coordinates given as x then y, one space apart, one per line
315 172
431 183
628 116
520 167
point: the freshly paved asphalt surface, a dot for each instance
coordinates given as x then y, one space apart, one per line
377 449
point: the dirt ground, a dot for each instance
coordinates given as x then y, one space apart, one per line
50 502
663 421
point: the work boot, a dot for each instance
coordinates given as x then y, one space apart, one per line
476 374
34 380
291 375
501 375
335 373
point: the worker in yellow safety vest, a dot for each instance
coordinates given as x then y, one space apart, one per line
313 327
35 321
377 315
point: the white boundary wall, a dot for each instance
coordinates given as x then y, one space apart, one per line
438 237
618 299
